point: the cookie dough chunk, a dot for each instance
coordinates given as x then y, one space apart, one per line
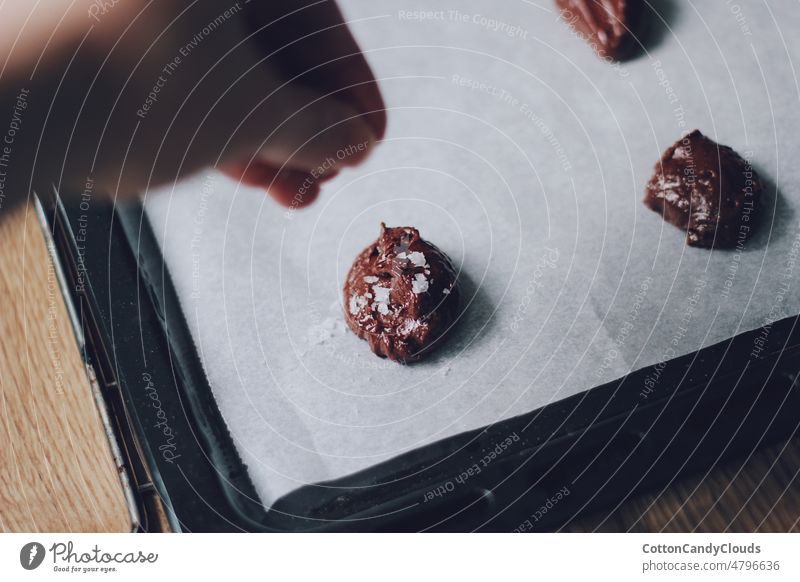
606 25
401 295
706 189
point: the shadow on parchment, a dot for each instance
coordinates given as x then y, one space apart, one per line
476 317
773 217
654 24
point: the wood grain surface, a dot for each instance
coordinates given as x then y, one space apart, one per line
58 473
57 470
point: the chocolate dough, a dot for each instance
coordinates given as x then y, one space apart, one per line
706 189
606 25
401 294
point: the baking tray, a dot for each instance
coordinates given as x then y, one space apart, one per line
536 472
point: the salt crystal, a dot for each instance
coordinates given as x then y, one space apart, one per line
417 259
419 284
409 326
357 302
381 299
381 293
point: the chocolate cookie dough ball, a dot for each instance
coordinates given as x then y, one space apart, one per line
401 295
607 26
706 189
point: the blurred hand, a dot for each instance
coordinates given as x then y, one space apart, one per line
133 93
313 50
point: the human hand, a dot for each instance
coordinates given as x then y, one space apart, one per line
314 48
267 91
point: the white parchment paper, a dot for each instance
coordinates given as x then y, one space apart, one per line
516 150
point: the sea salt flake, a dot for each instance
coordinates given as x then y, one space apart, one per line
417 259
381 299
321 332
381 293
419 284
357 302
409 326
370 279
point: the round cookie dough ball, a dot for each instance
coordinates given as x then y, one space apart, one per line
401 295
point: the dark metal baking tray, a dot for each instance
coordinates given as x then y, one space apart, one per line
581 454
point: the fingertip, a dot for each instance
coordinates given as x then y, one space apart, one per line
377 121
290 188
294 188
294 198
254 173
308 198
369 103
358 144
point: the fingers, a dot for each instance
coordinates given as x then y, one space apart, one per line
329 108
291 188
309 40
299 128
296 96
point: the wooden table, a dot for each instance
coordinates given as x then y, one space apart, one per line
57 469
58 473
